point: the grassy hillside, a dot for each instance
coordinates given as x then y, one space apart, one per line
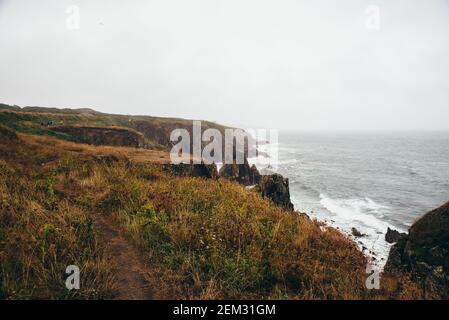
194 237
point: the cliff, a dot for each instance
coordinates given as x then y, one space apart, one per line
107 136
124 213
274 186
424 252
68 124
179 230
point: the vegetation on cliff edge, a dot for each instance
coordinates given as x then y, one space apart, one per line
200 238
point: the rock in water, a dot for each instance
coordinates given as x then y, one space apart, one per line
276 188
424 252
393 236
356 233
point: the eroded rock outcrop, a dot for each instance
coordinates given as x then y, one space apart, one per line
276 188
242 173
254 174
393 236
424 252
272 186
194 170
356 233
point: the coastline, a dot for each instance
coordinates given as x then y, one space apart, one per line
371 243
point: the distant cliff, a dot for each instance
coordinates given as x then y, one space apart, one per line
47 121
89 126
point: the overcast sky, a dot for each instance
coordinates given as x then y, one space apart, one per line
286 64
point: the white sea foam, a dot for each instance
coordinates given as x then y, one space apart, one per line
361 214
361 210
267 158
342 167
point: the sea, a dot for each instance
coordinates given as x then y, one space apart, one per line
370 181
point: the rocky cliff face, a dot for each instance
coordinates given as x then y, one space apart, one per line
194 170
48 121
424 252
276 188
242 173
160 131
393 236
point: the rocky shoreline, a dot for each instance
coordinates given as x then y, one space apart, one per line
424 251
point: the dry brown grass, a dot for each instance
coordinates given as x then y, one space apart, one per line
207 239
202 239
136 155
39 237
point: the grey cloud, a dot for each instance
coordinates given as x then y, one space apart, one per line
258 63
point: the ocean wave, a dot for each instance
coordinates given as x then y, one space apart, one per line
361 210
365 215
288 161
268 147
